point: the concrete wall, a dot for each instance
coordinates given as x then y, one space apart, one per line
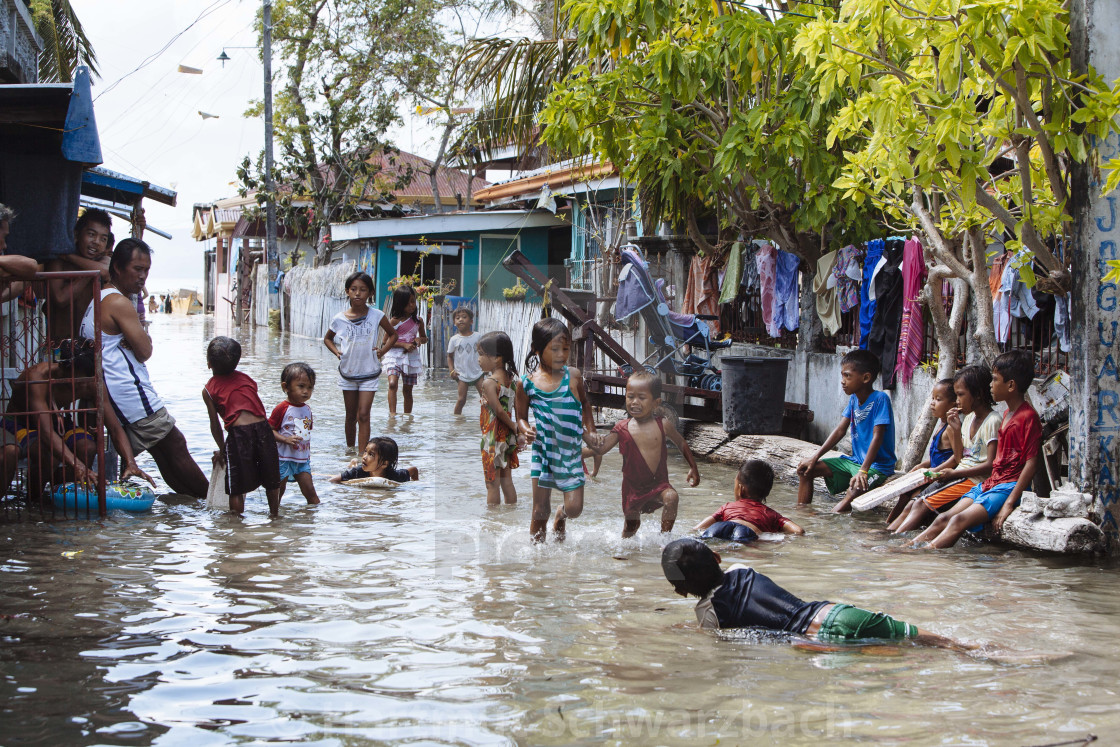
814 379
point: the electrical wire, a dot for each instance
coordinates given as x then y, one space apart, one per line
217 4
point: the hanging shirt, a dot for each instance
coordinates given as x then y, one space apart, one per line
867 304
767 261
750 280
828 303
887 325
701 295
875 410
786 308
846 275
1021 301
911 336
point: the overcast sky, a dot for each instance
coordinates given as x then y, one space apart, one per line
149 122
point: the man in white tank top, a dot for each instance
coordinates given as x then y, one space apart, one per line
125 346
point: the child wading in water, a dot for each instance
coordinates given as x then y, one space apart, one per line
562 415
402 362
249 449
352 337
291 421
645 471
499 432
462 356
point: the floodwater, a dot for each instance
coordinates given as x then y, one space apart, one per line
418 616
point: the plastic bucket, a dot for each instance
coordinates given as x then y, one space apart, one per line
754 395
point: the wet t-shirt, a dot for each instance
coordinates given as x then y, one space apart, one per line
395 474
748 599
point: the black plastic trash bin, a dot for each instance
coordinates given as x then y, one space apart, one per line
754 395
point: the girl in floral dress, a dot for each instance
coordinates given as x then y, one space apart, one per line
499 432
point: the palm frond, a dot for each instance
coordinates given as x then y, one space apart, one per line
65 44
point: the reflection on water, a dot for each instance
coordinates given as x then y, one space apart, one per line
420 616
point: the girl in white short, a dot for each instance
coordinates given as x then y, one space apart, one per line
352 337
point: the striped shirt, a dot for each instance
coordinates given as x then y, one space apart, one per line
126 379
558 417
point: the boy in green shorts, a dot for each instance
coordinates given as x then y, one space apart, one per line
871 419
744 598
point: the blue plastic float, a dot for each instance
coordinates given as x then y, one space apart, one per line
118 497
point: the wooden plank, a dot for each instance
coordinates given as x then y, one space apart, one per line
892 489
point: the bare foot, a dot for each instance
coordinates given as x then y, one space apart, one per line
559 524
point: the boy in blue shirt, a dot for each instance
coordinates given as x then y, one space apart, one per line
871 419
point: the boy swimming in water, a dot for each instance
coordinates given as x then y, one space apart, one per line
645 470
748 516
744 598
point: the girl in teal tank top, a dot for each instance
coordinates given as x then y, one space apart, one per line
562 423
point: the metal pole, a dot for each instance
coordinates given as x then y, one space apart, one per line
272 254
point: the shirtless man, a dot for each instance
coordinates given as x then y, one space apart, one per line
67 450
12 265
125 346
67 300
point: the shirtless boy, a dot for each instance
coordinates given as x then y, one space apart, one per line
67 300
641 441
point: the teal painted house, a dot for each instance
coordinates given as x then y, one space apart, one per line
466 248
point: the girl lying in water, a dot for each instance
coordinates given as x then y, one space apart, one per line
378 460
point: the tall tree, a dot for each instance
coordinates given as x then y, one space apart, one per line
335 104
65 44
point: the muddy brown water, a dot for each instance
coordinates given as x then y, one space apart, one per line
418 616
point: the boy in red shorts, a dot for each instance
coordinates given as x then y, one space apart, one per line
748 516
249 451
641 441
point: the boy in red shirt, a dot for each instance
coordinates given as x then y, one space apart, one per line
748 516
249 451
1020 438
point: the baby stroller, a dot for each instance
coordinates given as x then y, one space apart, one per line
669 331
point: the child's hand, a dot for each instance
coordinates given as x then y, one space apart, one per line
858 481
953 418
454 374
944 474
529 432
522 442
220 456
693 477
806 467
292 440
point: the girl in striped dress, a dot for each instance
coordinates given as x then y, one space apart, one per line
562 423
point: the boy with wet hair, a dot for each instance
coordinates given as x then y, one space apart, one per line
748 516
870 417
462 355
744 598
1020 438
249 451
645 458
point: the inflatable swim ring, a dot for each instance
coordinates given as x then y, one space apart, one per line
379 483
119 496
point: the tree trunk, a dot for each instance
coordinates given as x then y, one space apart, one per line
985 334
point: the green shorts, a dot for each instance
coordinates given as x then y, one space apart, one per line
843 470
847 623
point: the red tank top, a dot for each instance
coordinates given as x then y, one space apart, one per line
234 394
639 484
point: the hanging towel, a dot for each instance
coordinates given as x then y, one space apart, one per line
787 311
867 305
766 259
732 274
828 300
750 281
911 336
1061 321
846 275
701 295
886 326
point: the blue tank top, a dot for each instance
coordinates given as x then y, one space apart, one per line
937 456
